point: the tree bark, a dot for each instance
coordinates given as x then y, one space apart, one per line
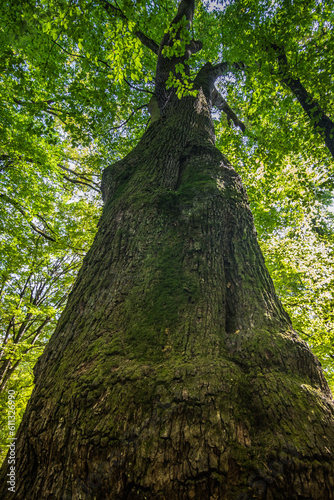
174 372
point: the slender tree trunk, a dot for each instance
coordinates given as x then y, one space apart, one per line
321 123
174 372
5 373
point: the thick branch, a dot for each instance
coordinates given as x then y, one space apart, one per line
25 325
148 42
221 69
166 65
219 102
209 73
195 46
187 9
145 40
320 121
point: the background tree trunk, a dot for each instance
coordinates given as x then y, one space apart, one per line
321 123
174 372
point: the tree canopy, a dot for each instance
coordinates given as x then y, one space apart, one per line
77 92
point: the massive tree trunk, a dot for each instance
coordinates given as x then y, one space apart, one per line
174 372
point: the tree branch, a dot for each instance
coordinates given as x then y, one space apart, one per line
166 65
195 46
219 102
76 181
209 73
78 174
136 88
221 69
79 55
23 212
49 110
145 40
148 42
9 369
126 121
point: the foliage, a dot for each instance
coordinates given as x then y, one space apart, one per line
49 194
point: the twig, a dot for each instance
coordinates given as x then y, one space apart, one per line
76 181
126 121
23 212
136 88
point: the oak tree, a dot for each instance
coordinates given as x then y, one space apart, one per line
174 371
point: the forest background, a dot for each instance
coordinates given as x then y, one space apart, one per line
76 84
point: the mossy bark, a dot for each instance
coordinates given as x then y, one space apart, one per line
174 372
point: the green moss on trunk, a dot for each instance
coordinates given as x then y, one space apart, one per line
174 372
